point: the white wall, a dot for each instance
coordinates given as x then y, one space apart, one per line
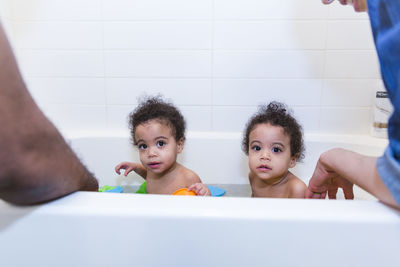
87 61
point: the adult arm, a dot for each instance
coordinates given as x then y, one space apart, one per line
343 168
36 164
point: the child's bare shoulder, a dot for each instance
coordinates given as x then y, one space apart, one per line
190 176
297 187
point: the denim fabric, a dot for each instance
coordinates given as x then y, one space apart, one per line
385 23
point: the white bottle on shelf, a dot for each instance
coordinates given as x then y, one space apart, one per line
381 111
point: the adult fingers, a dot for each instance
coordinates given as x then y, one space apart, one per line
332 191
348 192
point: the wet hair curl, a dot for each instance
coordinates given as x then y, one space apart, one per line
277 114
155 108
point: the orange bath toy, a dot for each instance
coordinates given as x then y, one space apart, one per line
184 192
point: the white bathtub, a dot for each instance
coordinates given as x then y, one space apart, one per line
105 229
216 157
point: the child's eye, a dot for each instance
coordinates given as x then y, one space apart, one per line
160 143
142 146
276 150
256 148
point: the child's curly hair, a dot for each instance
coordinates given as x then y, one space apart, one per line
277 114
155 108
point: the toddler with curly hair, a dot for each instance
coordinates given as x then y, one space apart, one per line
158 131
273 140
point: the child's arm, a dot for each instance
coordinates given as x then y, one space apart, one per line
131 166
196 185
200 189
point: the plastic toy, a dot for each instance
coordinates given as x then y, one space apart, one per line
184 192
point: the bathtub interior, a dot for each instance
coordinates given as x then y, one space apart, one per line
215 157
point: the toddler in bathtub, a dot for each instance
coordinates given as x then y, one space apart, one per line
158 131
274 143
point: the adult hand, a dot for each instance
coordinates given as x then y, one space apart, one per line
326 180
358 5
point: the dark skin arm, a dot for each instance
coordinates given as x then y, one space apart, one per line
36 164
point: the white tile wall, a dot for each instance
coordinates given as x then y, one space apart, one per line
261 9
282 34
87 61
157 35
352 64
64 35
250 92
157 10
57 10
61 63
349 34
269 64
5 9
345 120
158 64
82 91
76 117
127 91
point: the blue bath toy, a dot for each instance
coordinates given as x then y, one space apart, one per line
111 189
216 191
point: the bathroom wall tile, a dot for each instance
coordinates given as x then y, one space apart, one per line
59 35
198 118
117 117
346 120
338 11
261 9
231 118
271 34
308 117
61 63
76 117
157 35
67 90
268 64
57 9
161 64
124 91
350 34
157 9
8 27
5 9
257 91
234 119
352 64
348 92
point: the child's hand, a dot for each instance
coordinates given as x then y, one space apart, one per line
200 189
131 166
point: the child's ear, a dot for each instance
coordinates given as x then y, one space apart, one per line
180 145
293 161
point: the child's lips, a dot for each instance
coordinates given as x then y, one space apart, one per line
154 165
263 168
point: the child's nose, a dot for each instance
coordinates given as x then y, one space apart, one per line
265 154
152 151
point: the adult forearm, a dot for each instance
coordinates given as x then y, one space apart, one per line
36 164
358 169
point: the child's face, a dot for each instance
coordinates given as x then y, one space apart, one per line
157 146
269 152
